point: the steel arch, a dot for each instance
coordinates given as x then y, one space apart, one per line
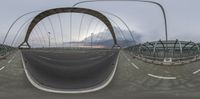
50 12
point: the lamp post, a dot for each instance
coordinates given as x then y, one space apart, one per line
91 38
49 36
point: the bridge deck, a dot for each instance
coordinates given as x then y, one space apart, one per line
70 70
127 82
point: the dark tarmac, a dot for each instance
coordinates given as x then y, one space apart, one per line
129 82
70 70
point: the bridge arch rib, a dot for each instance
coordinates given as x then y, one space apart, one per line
50 12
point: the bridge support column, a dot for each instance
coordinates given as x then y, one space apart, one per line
116 46
23 45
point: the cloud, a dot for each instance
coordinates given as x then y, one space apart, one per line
124 38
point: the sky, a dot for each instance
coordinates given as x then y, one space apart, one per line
183 17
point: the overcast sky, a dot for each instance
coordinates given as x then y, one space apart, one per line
183 16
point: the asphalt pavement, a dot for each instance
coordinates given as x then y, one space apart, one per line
70 70
134 79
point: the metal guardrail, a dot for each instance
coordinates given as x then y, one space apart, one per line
5 50
170 52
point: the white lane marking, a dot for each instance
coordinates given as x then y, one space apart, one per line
2 68
161 77
135 66
11 59
45 57
126 57
166 71
196 71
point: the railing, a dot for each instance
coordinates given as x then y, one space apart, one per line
178 52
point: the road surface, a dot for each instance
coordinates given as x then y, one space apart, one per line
70 70
129 82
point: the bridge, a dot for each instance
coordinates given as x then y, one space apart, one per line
83 66
82 50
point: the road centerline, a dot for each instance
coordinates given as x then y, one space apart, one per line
161 77
127 57
197 71
135 65
11 59
2 68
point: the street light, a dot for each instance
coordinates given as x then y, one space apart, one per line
91 38
49 38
